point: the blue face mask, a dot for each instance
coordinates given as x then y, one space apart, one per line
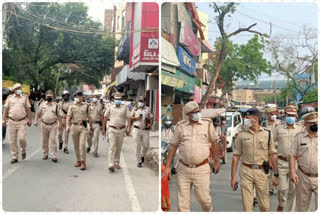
117 102
290 120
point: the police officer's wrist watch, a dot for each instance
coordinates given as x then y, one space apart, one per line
276 175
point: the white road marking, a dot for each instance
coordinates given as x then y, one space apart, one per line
135 205
16 166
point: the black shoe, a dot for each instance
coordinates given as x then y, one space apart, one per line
65 150
60 146
255 201
142 159
88 149
139 165
270 193
111 168
173 171
96 155
55 160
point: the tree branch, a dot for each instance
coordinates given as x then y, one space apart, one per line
248 29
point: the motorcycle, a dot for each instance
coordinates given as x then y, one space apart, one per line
164 151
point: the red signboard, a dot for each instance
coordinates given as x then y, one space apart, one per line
314 105
189 39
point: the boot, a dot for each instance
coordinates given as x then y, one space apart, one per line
279 209
83 165
78 163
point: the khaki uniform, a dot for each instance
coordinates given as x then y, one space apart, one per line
49 115
117 117
63 110
140 133
166 135
253 148
194 141
305 149
284 136
17 111
95 112
79 113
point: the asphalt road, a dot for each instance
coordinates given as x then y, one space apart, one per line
41 185
223 198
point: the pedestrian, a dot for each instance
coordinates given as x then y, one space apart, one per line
36 104
254 145
17 107
304 150
79 112
116 116
284 135
193 137
142 122
63 110
4 99
49 113
271 123
95 112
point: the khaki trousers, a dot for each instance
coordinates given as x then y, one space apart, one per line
305 188
286 186
95 138
66 134
198 177
48 138
79 137
271 187
141 137
115 145
254 178
17 131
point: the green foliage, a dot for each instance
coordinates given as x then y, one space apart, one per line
47 58
311 96
281 100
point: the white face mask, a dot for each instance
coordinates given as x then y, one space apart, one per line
94 100
19 92
76 99
224 122
196 116
273 117
140 104
247 122
169 123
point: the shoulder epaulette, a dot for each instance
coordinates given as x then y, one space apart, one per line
181 122
207 119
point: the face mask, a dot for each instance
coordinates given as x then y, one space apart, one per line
224 122
247 122
273 117
76 99
168 123
215 124
49 99
314 128
19 92
290 120
196 116
117 102
66 98
94 100
140 104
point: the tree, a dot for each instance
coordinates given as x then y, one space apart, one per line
223 10
311 96
52 44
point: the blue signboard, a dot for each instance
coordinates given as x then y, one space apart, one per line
188 64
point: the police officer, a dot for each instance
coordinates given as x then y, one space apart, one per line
284 135
254 145
95 112
142 121
49 114
64 106
304 150
79 112
115 116
17 107
193 137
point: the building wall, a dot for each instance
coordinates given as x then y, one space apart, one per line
244 96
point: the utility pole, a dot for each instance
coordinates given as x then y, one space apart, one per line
287 97
274 91
4 17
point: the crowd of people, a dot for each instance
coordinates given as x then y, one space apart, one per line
85 120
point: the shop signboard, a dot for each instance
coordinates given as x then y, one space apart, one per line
187 63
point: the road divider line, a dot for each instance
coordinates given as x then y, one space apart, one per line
135 205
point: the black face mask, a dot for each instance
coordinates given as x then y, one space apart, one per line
314 128
49 99
66 98
215 124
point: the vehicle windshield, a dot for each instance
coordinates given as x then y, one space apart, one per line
229 121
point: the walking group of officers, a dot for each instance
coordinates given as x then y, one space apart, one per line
281 154
84 120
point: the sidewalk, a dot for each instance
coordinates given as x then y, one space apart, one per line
152 156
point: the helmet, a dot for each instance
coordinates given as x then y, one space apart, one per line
65 93
168 118
307 109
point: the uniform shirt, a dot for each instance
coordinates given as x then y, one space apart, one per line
305 149
146 113
64 107
166 134
78 112
48 112
272 127
194 140
117 115
284 136
95 112
17 106
253 147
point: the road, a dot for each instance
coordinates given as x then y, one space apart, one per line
223 198
36 185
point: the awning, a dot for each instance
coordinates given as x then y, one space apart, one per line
206 47
168 54
179 81
124 75
110 86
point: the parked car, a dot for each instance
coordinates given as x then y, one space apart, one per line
234 120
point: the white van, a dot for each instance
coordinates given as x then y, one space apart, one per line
234 120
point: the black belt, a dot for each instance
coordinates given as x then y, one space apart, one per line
137 127
49 124
18 120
